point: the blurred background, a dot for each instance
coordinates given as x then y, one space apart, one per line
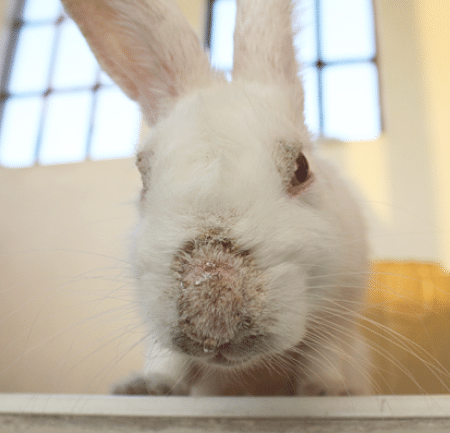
378 102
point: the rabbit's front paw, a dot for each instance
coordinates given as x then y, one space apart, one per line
154 385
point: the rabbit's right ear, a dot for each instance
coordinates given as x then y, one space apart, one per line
263 41
264 47
147 47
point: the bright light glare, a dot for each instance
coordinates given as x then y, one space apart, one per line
19 131
66 129
116 125
41 10
351 102
347 30
30 72
224 13
75 65
306 39
311 86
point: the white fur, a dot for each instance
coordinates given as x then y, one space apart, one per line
212 161
263 47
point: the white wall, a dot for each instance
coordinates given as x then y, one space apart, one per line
403 174
65 229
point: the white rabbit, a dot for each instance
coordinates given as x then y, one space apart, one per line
251 255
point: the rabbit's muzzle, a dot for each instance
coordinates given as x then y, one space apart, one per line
221 301
228 354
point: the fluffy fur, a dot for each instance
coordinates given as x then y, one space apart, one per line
246 289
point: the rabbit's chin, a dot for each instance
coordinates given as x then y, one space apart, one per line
223 360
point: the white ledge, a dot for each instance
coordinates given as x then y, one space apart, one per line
373 407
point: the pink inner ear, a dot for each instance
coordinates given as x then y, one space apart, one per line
147 47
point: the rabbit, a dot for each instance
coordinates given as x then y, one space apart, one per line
251 254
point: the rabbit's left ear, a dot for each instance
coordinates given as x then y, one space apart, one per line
147 47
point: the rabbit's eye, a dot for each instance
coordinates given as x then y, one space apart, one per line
302 172
302 177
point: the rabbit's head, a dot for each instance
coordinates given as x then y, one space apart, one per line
245 234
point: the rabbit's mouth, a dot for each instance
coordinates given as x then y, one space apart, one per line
224 361
231 354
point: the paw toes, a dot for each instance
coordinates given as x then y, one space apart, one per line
140 385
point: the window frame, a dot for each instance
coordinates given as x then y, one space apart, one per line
13 26
320 64
9 42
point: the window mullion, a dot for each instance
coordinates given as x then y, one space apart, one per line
319 65
17 24
48 92
95 89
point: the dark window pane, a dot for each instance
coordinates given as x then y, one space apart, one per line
116 125
19 131
351 106
347 30
66 128
31 65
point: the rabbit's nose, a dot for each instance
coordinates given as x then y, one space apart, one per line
220 291
211 302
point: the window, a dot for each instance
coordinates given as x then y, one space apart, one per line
338 50
52 90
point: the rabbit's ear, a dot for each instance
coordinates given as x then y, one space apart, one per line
147 47
263 41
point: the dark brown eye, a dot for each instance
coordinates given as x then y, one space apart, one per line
302 177
302 173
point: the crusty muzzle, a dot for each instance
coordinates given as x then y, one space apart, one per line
221 298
